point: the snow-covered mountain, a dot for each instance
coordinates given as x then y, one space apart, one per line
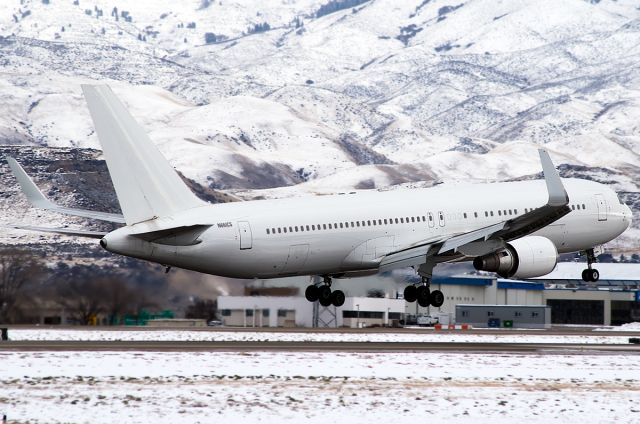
281 98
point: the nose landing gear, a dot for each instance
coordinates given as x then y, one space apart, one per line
323 294
591 274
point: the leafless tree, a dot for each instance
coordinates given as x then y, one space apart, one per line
17 268
203 309
82 298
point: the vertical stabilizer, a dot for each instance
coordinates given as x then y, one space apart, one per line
146 185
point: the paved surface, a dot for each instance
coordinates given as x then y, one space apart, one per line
262 346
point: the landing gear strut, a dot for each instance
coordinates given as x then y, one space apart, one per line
591 274
323 294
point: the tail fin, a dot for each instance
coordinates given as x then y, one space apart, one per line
146 185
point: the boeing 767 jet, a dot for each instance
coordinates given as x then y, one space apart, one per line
516 229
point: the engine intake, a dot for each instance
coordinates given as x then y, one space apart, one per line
527 257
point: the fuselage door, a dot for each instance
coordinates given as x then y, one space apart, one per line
441 218
602 207
246 239
432 223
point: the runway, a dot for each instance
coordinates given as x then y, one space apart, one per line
314 346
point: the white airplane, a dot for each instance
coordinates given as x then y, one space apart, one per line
516 229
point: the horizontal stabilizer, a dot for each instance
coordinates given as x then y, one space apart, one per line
38 200
64 231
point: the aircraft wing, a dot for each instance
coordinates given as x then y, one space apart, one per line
38 200
493 237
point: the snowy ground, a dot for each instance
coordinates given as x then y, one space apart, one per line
204 335
327 387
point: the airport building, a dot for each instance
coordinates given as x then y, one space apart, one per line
296 311
558 298
613 300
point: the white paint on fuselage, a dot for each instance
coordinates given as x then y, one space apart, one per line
338 250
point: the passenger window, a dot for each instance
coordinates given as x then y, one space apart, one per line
307 228
330 226
324 226
296 229
352 224
380 222
515 211
290 230
406 220
583 206
369 223
279 230
285 229
385 222
486 214
313 228
475 214
357 223
465 215
396 220
423 218
267 231
491 213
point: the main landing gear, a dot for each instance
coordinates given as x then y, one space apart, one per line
590 275
423 295
323 294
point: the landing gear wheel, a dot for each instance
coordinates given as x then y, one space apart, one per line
324 295
410 293
422 293
591 275
311 293
437 298
337 298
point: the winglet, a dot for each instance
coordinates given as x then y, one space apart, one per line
34 195
557 194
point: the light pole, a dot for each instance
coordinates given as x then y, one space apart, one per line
387 317
358 321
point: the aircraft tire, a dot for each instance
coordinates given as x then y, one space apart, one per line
324 295
410 293
437 298
311 293
585 275
424 302
422 295
337 298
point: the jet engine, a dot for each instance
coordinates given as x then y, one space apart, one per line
527 257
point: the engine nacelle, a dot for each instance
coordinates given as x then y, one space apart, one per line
527 257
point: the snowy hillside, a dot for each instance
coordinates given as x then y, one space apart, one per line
271 99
